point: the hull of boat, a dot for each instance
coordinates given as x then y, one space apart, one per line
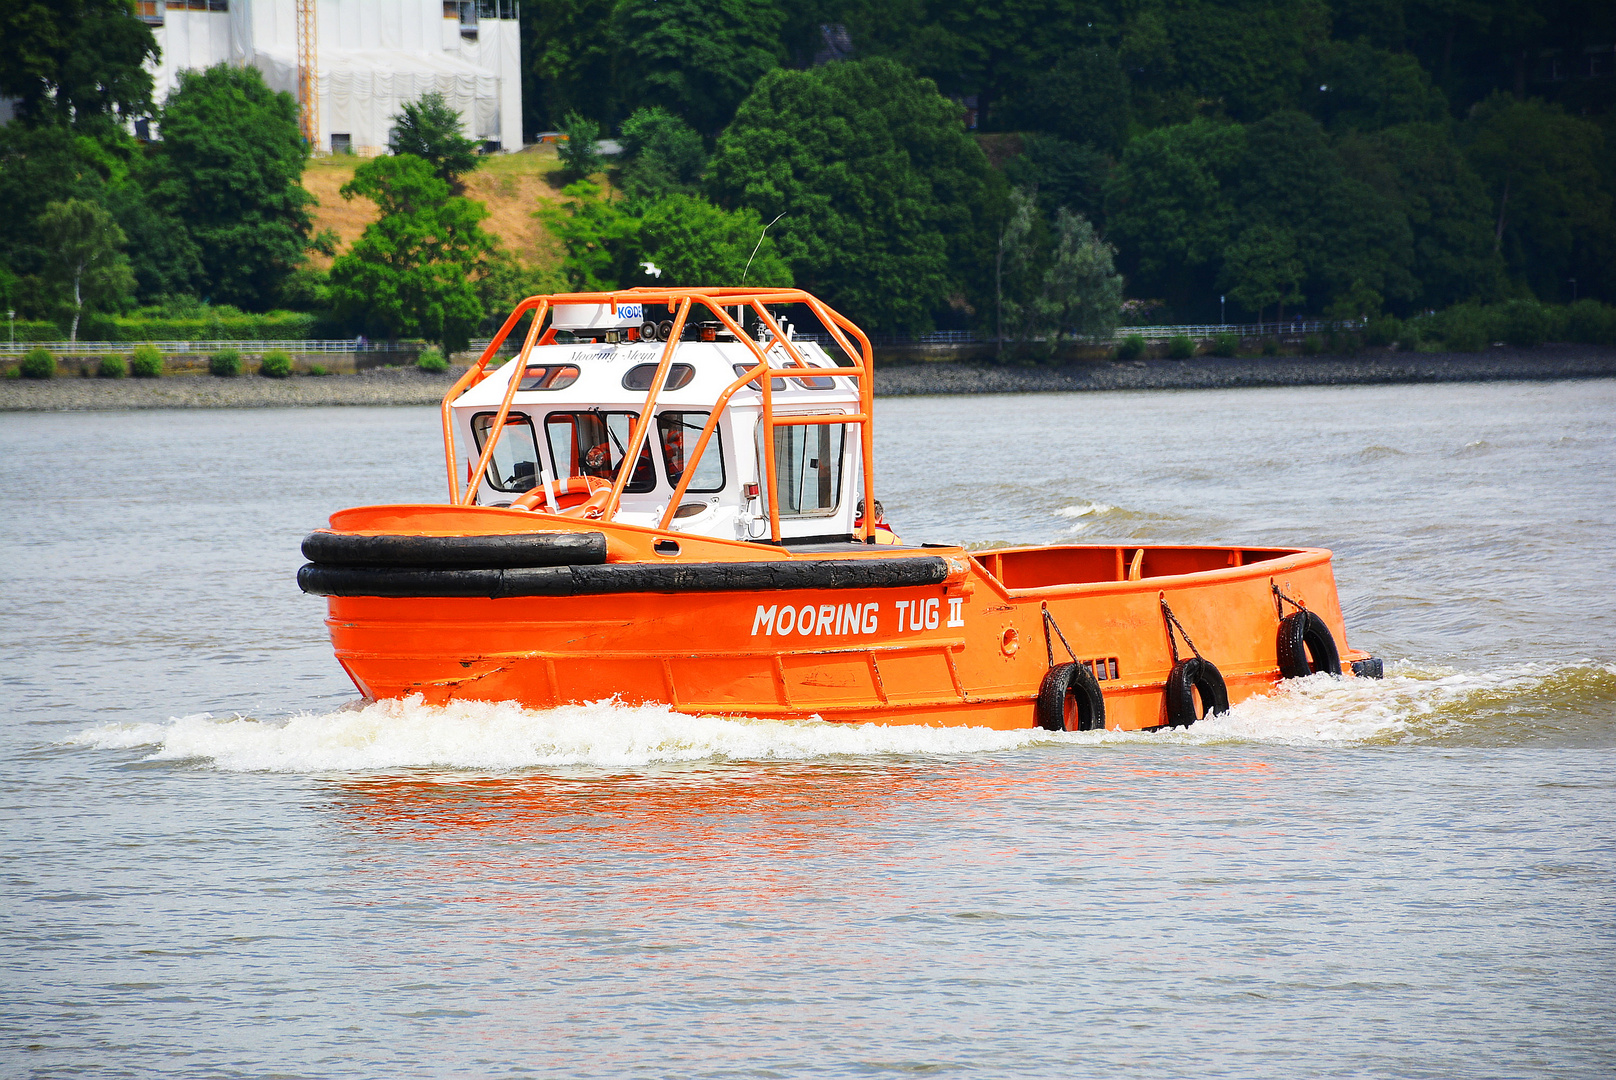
971 649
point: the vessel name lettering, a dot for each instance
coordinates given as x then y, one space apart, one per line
811 619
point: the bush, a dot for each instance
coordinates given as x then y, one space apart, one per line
1181 348
318 369
432 360
1312 345
1270 346
1464 334
1132 347
37 364
1383 331
1525 323
146 363
226 364
111 367
1591 323
275 364
1225 345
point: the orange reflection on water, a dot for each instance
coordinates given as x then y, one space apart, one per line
744 837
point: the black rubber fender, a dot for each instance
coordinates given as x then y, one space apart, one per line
1069 699
490 551
1306 646
1184 680
762 576
1372 668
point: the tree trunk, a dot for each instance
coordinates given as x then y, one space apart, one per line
1503 204
78 306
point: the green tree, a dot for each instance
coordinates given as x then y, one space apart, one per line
693 242
1083 99
507 281
662 154
1262 268
415 269
569 50
40 165
601 237
1083 287
992 49
1060 283
1170 209
78 62
698 58
86 257
232 165
430 130
1351 238
1013 283
1551 203
1241 60
888 205
579 156
1421 169
1364 88
1063 173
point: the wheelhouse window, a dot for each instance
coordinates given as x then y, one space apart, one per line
514 466
679 432
807 467
640 375
594 443
757 384
551 377
815 382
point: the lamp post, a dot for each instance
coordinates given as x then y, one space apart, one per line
1573 289
1222 321
11 320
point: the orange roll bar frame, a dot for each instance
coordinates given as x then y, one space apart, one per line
862 371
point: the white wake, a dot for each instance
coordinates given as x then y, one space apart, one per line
503 737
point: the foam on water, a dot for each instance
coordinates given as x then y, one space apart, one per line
1413 704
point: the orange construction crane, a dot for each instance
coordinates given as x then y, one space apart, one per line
308 83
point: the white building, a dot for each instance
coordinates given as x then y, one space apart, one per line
373 57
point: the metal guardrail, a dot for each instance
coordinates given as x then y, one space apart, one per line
939 337
1149 333
89 348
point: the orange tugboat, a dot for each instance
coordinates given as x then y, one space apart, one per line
659 500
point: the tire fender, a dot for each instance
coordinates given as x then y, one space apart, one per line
1069 699
1306 646
1183 681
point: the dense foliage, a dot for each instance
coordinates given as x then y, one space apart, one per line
920 163
1329 157
885 204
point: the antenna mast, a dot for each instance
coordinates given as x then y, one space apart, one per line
308 85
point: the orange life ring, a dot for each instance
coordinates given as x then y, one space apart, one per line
571 493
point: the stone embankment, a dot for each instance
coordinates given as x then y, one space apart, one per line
1370 366
407 386
375 386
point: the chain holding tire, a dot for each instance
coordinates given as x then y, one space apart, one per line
1189 677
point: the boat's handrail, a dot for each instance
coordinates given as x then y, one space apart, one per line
714 300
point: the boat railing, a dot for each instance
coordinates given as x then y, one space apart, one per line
680 301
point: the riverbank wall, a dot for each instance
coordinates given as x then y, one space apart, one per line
405 385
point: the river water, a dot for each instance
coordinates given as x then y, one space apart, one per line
213 869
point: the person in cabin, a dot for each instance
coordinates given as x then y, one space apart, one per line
882 532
